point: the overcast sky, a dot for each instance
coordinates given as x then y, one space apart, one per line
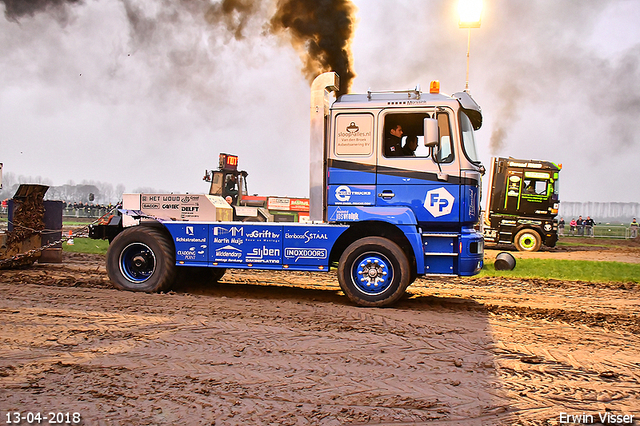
147 93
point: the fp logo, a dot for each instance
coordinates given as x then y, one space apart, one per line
439 202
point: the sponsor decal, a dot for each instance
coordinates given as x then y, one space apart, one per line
274 203
150 206
439 202
529 165
232 235
340 214
262 234
190 253
537 175
353 131
529 222
299 205
190 240
305 253
307 236
229 251
344 193
354 135
187 254
189 230
259 254
472 203
234 231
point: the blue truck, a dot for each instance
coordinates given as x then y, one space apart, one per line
383 209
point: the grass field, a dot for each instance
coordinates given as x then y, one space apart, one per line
87 245
573 270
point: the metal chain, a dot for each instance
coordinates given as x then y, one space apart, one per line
76 233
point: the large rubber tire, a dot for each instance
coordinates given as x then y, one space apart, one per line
527 240
141 258
374 271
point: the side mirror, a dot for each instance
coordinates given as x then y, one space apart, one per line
430 132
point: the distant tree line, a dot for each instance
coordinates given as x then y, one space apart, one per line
86 192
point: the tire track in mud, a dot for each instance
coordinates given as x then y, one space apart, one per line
560 346
605 305
629 323
256 359
551 368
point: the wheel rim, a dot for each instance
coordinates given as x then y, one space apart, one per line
527 241
137 262
372 273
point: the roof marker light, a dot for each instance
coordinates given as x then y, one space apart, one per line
434 87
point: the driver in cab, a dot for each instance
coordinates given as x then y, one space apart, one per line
393 142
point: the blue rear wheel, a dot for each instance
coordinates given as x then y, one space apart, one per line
142 258
137 262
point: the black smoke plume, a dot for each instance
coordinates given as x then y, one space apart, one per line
321 31
15 9
234 14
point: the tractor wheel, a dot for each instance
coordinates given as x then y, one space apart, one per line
374 271
527 240
141 258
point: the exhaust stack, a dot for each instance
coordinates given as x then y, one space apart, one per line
320 88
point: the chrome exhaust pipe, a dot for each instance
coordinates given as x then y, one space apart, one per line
320 88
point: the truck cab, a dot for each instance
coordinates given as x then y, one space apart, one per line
522 203
428 198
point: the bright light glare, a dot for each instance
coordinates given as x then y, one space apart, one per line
470 11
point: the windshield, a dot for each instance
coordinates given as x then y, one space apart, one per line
468 142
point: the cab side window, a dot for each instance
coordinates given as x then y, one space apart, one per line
534 187
404 137
445 151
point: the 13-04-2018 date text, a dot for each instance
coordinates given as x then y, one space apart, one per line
38 417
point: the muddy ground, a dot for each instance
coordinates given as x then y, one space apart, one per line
289 349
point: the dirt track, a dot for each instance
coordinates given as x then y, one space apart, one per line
288 348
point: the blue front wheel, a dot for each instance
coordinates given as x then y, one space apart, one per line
374 271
